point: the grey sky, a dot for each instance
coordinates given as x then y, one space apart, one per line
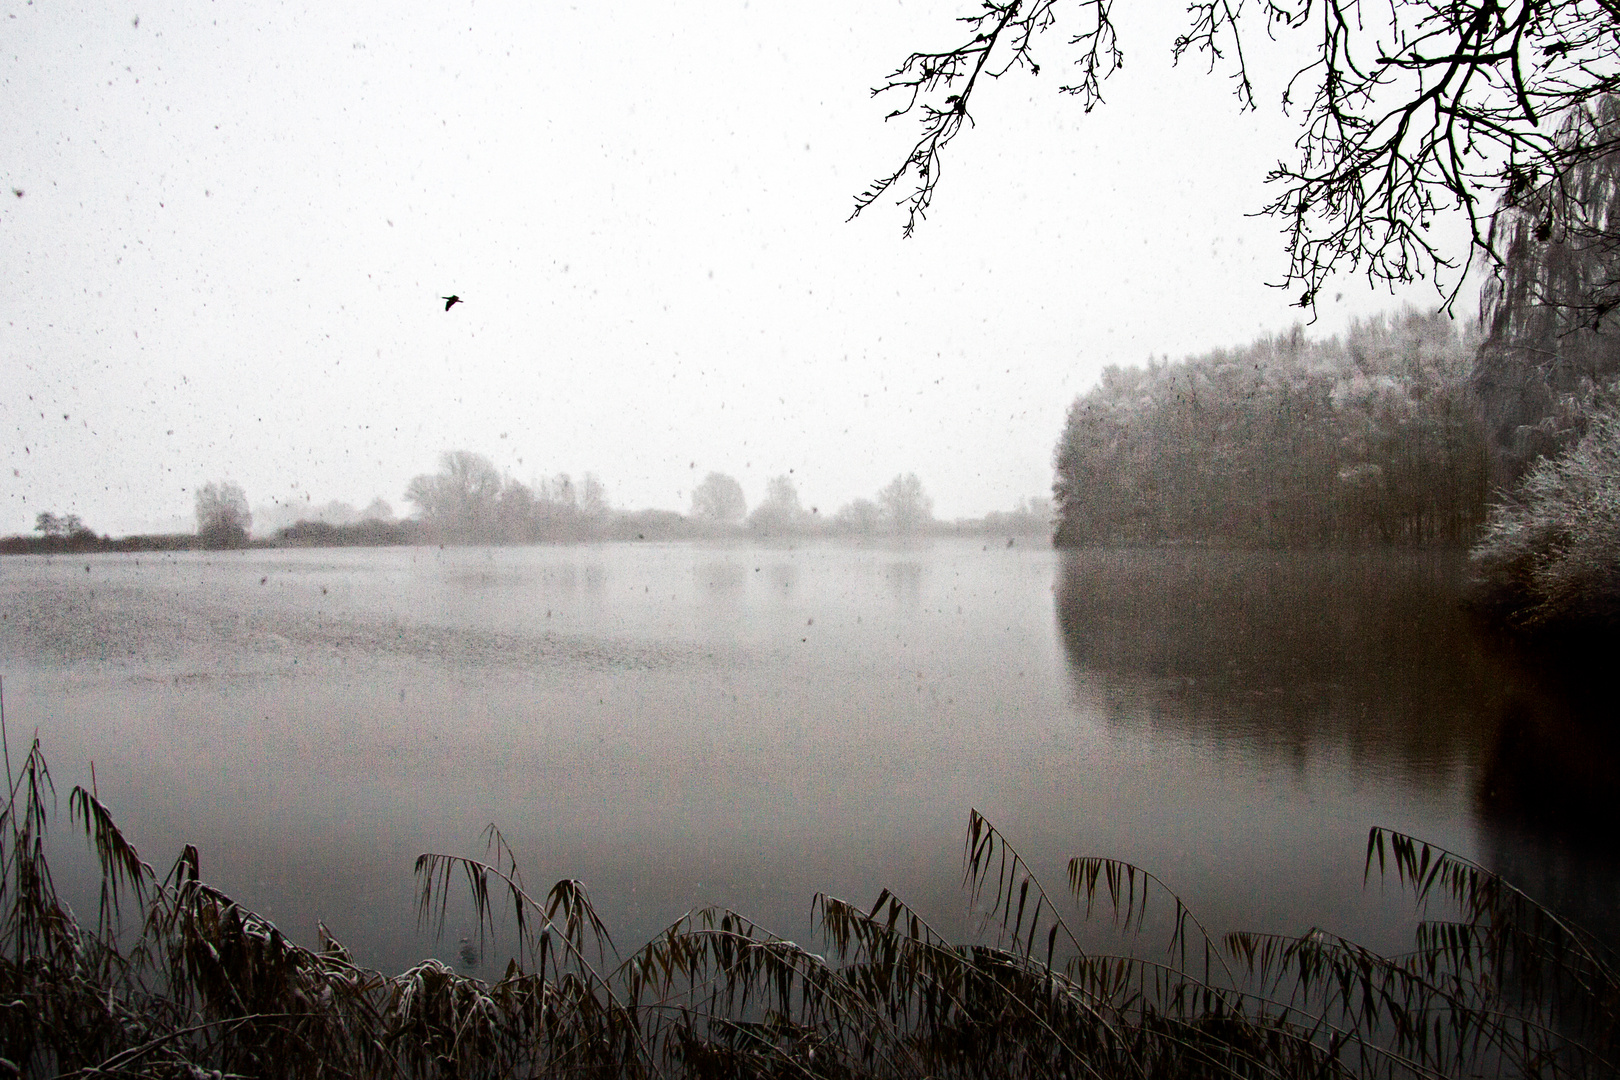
238 219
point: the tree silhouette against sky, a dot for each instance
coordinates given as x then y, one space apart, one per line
1406 111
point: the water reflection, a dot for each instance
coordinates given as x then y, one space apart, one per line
683 724
721 577
904 582
1548 793
784 576
1372 657
559 582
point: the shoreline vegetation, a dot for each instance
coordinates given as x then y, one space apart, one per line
1381 439
560 523
1549 554
1285 443
176 979
629 526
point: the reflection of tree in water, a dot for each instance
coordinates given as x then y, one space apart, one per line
903 582
1291 652
555 582
1295 654
784 577
1547 795
721 576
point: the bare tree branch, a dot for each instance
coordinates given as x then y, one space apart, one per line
1411 109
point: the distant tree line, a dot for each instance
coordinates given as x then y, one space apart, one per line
61 526
468 501
57 532
1285 442
67 534
368 532
901 508
1031 515
279 515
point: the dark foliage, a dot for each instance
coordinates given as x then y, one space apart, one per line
53 545
368 533
221 536
66 526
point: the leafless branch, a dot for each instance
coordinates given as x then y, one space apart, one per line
1412 109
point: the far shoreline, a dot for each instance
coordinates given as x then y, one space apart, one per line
645 526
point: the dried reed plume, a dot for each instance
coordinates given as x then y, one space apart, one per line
175 979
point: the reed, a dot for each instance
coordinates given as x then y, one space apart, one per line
176 979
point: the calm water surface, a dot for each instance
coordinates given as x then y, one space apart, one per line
682 724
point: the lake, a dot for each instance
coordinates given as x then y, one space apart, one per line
687 724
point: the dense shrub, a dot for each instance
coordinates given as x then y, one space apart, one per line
1551 554
366 533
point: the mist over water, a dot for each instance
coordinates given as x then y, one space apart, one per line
684 724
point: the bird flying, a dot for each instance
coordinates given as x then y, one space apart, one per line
450 301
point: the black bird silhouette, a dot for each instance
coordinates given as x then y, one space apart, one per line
450 301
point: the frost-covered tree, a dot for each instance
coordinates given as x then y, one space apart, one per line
1285 442
860 516
780 512
719 499
1552 555
907 508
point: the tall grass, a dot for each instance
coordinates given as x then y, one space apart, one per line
1551 554
176 979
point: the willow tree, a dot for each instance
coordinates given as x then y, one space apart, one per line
1552 360
1405 111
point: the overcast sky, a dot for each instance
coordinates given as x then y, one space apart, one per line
237 220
